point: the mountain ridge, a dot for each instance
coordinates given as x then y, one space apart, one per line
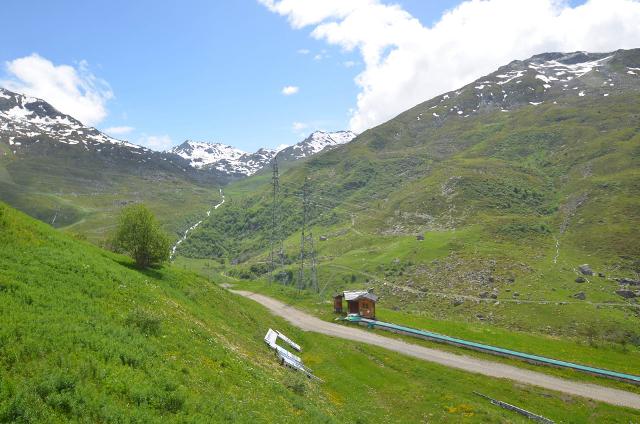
229 159
26 116
545 77
24 120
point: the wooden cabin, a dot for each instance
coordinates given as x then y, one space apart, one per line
337 303
359 302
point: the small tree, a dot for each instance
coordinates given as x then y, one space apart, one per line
139 235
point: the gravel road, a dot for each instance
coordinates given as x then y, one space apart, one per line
308 322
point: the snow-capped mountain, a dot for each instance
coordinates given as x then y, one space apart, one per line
224 158
200 154
542 79
316 143
30 126
26 119
33 131
233 161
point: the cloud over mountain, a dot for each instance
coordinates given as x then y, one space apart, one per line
406 62
72 90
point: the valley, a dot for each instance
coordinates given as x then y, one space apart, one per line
504 212
517 200
75 177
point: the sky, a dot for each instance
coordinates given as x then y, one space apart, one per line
264 73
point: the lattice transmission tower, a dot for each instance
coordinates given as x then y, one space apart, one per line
277 244
307 239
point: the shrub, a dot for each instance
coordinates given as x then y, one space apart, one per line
144 321
172 402
139 235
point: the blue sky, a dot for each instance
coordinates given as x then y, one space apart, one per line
212 70
206 70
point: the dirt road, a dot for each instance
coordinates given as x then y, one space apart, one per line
493 369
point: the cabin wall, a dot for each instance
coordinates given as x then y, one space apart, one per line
337 304
367 308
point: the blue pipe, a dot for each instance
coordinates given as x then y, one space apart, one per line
495 350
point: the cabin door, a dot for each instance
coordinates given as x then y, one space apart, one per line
353 308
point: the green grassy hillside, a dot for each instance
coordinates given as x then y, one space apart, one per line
510 204
85 337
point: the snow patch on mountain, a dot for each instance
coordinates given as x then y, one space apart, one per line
319 140
224 158
548 78
316 143
228 159
24 116
200 153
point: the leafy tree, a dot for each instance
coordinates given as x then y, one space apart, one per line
139 235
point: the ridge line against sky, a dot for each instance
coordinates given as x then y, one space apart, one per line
333 65
407 62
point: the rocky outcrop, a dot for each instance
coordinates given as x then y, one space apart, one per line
627 294
585 269
629 282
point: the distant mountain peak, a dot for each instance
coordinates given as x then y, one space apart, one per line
315 143
202 153
228 159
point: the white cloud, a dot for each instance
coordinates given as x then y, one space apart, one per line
349 64
304 51
156 142
322 55
72 90
299 126
406 63
118 130
290 89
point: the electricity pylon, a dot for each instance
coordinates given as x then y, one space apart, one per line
305 210
307 239
276 237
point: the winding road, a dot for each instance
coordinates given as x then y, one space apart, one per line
308 322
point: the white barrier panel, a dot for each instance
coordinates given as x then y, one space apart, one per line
289 341
285 356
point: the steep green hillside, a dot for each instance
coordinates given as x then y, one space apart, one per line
512 193
85 337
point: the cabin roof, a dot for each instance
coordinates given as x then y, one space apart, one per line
360 294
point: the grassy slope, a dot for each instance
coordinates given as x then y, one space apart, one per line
85 337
